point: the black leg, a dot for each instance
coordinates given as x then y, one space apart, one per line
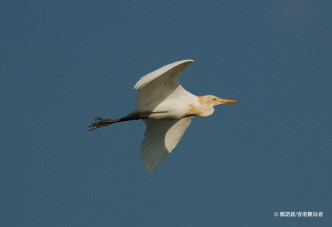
101 122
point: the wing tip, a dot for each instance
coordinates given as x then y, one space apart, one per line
142 82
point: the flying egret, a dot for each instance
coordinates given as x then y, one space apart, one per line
167 110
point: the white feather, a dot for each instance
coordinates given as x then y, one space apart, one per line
159 72
159 84
161 137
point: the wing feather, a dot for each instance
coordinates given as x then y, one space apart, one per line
159 84
161 137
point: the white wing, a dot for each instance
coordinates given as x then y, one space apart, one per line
159 84
161 137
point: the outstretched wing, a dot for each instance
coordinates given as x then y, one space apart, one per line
159 84
161 137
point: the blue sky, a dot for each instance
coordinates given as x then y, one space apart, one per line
65 62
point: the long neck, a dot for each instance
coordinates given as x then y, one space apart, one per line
206 109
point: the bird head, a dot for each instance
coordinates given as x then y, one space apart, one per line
215 101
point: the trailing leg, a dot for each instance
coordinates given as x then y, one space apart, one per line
101 122
135 115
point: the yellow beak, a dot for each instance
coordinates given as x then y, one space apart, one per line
224 101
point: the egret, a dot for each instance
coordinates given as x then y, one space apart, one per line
167 110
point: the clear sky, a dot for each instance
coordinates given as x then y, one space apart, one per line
62 63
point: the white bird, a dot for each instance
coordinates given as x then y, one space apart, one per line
167 109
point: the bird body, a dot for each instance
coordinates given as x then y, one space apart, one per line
172 107
167 110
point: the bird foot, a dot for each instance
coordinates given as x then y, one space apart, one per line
100 122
